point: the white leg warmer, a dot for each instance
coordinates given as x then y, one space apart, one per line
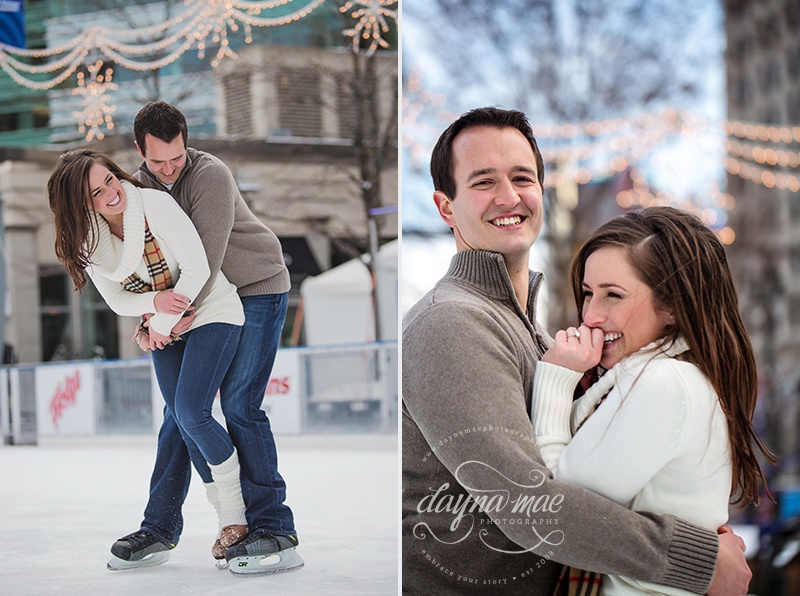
212 494
229 492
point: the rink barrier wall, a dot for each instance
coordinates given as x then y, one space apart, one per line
347 388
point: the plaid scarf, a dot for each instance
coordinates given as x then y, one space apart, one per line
594 390
577 582
157 269
573 581
160 278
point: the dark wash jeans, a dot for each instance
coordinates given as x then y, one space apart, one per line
241 394
189 373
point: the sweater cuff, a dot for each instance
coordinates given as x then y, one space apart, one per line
551 405
141 304
163 323
692 558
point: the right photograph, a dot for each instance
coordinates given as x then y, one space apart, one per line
599 293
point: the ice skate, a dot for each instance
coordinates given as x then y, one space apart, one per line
225 494
140 549
262 553
228 536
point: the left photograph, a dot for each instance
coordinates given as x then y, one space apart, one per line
199 283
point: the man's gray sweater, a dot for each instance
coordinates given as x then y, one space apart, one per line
235 240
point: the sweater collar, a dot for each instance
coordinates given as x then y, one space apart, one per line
652 351
112 258
487 271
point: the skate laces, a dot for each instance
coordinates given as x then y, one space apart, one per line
139 540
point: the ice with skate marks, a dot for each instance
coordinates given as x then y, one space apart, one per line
280 562
157 558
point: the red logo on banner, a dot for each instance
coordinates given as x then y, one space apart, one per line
279 385
64 396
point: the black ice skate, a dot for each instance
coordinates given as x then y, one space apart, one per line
261 553
140 549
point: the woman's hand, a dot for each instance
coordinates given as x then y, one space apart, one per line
158 341
142 340
170 303
577 349
140 337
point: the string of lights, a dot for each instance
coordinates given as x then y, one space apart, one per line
582 152
763 176
202 25
625 139
769 156
762 132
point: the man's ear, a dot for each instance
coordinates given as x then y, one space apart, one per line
139 149
445 206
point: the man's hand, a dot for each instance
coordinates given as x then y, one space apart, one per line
170 303
577 349
186 321
731 575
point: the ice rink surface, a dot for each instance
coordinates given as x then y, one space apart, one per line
64 501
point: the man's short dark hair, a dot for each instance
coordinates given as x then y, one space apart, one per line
162 120
442 156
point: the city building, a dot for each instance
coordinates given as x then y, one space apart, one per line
763 90
281 116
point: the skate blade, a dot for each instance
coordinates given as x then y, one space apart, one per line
286 560
117 564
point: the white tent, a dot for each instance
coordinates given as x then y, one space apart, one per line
337 304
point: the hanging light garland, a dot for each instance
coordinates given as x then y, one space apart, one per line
749 150
204 24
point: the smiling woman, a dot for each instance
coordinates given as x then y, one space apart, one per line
108 197
146 259
618 302
665 421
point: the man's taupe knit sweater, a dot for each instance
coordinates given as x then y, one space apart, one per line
235 240
481 513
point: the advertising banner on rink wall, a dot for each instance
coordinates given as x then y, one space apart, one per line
65 399
281 399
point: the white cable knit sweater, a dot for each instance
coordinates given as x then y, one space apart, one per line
114 260
659 441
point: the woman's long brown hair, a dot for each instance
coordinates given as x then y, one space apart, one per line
70 201
684 263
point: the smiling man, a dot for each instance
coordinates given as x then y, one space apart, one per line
481 512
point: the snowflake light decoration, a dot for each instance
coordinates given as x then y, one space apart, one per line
371 22
95 112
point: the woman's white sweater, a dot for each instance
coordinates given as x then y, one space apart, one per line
658 442
114 260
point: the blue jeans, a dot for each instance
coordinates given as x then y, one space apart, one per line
189 374
241 394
